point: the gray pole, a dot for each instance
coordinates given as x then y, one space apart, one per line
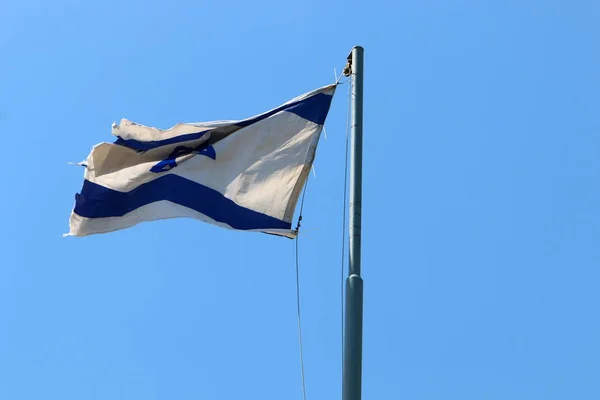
352 368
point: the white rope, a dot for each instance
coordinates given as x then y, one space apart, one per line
298 293
344 223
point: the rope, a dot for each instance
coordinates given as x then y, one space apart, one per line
338 82
344 224
298 291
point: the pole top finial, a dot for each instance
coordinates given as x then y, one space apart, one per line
358 48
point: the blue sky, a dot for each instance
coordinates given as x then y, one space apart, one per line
480 217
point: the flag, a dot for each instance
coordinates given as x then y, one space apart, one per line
242 175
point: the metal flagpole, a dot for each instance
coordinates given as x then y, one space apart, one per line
352 368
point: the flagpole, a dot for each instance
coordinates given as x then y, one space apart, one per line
352 363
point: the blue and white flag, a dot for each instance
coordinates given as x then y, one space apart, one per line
244 175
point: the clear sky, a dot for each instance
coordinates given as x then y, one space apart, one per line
481 210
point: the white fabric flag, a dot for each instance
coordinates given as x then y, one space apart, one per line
244 175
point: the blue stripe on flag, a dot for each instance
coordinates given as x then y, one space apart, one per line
144 146
313 108
96 201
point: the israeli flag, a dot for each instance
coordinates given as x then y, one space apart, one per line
244 175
